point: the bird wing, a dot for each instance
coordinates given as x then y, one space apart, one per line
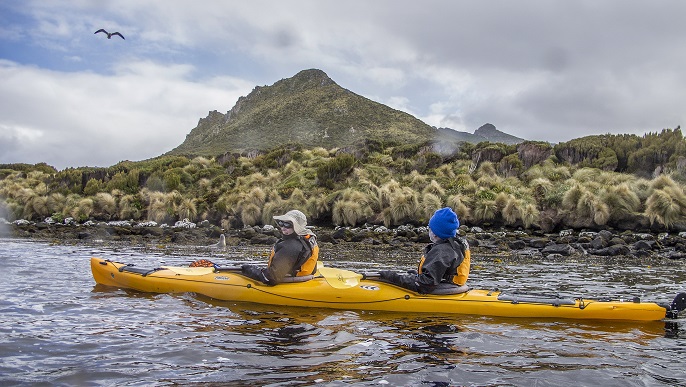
100 30
117 33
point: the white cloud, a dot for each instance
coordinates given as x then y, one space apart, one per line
87 119
538 70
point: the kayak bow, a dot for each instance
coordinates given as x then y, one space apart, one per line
345 289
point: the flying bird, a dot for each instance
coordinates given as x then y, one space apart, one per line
109 35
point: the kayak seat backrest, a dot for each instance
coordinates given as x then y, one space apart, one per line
137 270
448 288
536 299
302 278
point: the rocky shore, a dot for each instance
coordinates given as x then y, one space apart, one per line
506 243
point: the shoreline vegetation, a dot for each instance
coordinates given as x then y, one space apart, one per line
513 244
600 195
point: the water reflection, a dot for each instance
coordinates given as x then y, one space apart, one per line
675 330
58 327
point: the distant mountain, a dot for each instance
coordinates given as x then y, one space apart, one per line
312 110
486 132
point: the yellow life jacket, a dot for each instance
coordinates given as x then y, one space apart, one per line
310 265
462 272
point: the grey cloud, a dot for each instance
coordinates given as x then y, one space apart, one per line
538 69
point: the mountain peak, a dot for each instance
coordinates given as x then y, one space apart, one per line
312 75
486 130
309 109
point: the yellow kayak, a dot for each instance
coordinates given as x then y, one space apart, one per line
344 289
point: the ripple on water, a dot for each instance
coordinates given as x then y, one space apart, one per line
58 327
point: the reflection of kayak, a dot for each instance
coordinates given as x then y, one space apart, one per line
344 289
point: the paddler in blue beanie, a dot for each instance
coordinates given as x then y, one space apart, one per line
446 259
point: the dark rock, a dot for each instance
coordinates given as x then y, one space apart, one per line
324 236
598 243
271 231
616 241
566 239
517 245
616 250
247 233
122 230
538 243
561 249
584 239
605 234
532 153
360 236
261 239
644 245
342 233
612 251
422 238
179 237
675 255
397 242
153 231
406 233
641 253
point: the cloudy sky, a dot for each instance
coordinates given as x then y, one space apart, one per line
547 70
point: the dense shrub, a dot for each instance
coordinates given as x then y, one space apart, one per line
488 184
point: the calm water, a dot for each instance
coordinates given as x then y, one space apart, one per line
58 328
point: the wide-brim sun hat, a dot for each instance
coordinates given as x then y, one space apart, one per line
298 219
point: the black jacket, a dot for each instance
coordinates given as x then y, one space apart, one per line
439 264
288 255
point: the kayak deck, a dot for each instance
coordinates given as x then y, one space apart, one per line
363 294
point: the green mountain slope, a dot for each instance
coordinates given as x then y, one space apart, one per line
309 109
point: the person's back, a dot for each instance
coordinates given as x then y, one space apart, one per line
289 255
445 260
439 263
295 254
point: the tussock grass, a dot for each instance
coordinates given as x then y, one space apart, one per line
387 183
187 209
129 207
664 208
429 204
104 206
433 188
82 210
621 200
56 202
251 214
484 210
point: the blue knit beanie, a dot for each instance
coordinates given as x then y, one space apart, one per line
444 223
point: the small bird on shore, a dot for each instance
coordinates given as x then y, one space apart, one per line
109 35
219 245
